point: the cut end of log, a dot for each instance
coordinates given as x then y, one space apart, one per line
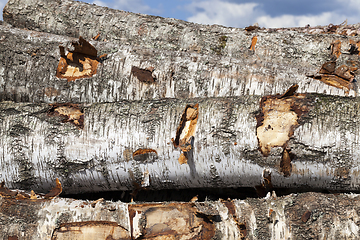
90 230
78 63
164 221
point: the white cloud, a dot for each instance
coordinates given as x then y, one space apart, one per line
245 14
220 12
136 6
300 21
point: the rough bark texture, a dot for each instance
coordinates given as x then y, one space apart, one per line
224 141
297 216
160 103
204 61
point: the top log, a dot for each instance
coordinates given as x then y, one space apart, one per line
318 59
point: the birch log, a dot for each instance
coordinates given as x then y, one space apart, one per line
299 141
296 216
318 63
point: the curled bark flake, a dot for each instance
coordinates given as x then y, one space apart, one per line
340 77
5 192
55 191
253 43
328 68
266 185
354 47
70 113
143 75
290 92
80 62
186 131
345 72
95 38
145 155
335 49
90 230
251 28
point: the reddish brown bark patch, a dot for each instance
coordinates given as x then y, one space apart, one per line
305 217
69 112
186 131
143 75
285 164
13 238
51 92
89 230
169 221
80 63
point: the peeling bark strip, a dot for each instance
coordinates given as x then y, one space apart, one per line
80 62
185 134
253 43
335 49
21 195
69 112
340 77
309 215
354 47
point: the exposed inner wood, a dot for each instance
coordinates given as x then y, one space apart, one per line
79 63
70 112
186 131
277 126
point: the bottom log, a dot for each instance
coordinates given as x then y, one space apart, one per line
295 216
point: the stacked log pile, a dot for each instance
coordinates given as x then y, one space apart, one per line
107 100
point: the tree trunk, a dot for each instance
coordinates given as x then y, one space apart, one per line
296 216
286 141
226 62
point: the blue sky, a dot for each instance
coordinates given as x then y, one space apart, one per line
240 13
